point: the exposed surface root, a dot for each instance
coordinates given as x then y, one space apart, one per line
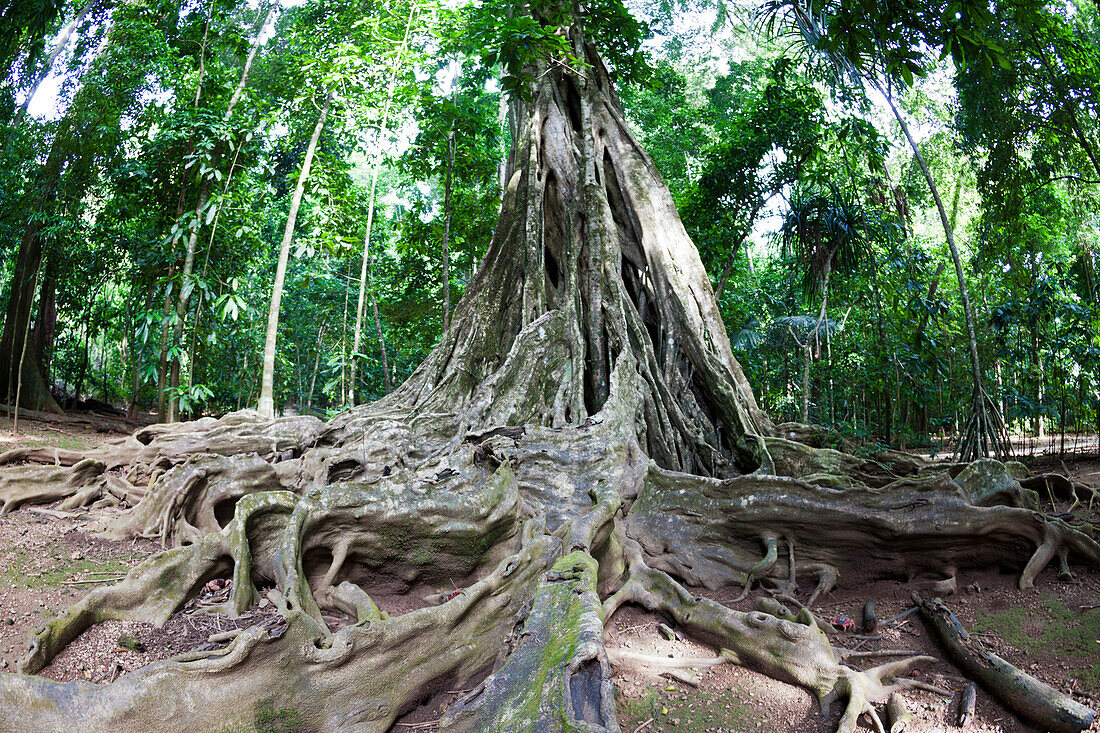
557 675
705 530
588 515
793 651
360 678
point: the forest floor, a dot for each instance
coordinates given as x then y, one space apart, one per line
49 559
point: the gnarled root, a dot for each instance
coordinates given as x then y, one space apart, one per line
359 679
43 484
122 470
706 531
793 651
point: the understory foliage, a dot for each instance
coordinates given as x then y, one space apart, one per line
137 256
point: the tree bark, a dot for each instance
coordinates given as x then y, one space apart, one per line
19 377
45 326
30 384
267 385
447 233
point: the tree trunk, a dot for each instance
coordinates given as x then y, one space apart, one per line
45 325
272 11
64 147
203 201
186 285
29 383
807 359
985 419
78 388
59 45
387 379
447 234
316 364
356 339
344 341
162 361
267 385
19 376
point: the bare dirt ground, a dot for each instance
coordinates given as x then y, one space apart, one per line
49 559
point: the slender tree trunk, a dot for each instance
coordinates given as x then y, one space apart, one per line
807 357
20 301
273 9
881 352
358 331
932 288
387 379
987 436
813 340
186 286
964 297
79 388
724 277
193 353
344 340
45 326
58 46
162 361
316 364
447 234
29 257
267 385
135 389
104 366
200 207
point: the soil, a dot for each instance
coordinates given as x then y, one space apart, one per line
35 433
111 648
49 559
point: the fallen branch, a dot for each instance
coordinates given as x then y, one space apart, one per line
1020 692
686 677
883 653
223 637
93 580
618 657
54 513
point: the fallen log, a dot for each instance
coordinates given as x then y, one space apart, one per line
1026 696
